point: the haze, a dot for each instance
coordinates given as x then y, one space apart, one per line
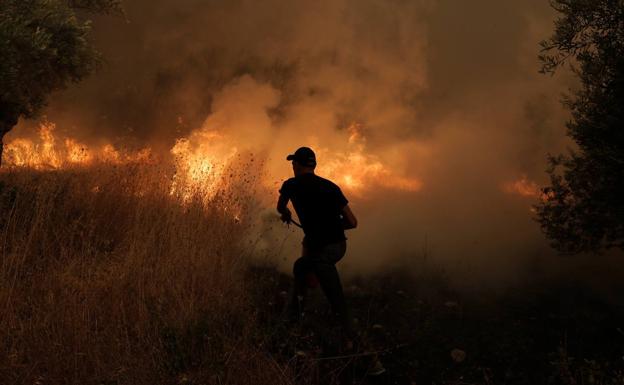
444 96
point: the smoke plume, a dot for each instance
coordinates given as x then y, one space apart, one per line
435 110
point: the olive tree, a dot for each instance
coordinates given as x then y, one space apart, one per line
583 207
44 46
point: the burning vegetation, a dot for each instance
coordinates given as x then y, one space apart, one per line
523 187
200 160
49 152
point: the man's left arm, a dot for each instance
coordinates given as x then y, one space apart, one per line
348 218
349 221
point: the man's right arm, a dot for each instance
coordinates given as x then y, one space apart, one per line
282 208
282 202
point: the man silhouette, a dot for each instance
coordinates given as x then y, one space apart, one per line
324 214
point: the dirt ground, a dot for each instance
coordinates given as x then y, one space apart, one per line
426 333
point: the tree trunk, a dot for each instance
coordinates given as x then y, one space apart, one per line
2 132
5 126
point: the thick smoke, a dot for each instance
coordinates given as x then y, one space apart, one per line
445 92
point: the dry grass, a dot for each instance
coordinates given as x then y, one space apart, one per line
106 278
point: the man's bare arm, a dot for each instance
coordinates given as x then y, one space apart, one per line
349 221
282 208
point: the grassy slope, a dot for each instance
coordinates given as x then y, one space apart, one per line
105 278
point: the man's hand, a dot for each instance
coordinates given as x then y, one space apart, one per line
286 216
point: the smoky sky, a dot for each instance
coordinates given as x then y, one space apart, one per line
445 91
400 67
166 59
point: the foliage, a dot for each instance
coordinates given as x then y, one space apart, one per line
44 46
583 209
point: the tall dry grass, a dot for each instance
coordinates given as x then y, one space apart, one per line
106 277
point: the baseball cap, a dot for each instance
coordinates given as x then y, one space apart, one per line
304 156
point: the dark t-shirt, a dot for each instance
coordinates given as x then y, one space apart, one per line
318 203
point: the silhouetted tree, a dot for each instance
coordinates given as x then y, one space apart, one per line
583 208
43 47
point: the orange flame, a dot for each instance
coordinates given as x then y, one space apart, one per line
201 158
200 161
50 152
357 171
523 187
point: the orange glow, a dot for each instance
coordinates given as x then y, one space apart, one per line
356 170
201 159
50 152
523 187
77 152
39 154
